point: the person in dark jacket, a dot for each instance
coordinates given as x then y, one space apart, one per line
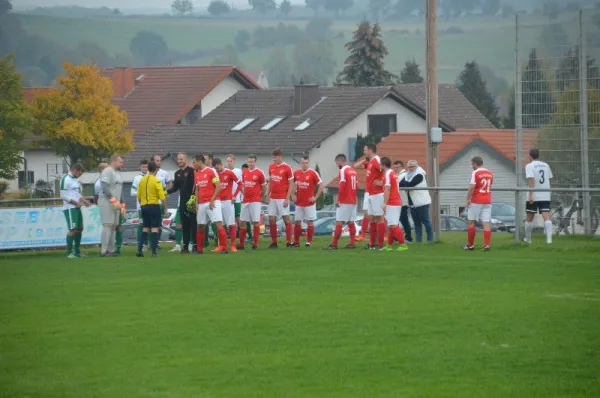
418 200
184 183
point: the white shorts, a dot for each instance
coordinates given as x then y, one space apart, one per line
250 212
479 212
276 208
306 213
345 213
228 211
392 215
366 202
205 214
375 205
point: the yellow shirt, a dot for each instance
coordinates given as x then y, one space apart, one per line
150 191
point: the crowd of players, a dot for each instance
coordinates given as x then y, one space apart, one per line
228 198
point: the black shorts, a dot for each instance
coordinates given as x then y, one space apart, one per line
538 207
151 216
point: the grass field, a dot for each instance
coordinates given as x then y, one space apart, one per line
490 41
431 322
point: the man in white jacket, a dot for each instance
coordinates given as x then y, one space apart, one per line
400 173
418 200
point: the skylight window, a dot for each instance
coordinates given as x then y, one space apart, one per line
304 125
272 123
243 124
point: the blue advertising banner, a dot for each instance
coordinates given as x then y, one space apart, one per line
22 228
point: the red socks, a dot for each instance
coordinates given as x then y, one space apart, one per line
256 234
273 231
380 234
364 226
336 234
200 239
352 230
310 231
242 236
372 233
232 234
471 236
297 233
289 228
391 237
487 238
399 234
222 235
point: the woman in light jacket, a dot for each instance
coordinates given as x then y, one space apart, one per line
418 200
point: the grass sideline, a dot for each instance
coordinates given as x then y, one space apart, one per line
433 321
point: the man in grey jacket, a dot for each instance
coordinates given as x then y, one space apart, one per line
109 204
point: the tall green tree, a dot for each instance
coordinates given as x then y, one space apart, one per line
508 101
218 7
242 40
568 70
337 6
321 200
149 47
15 119
182 7
262 6
314 5
411 72
472 86
278 67
537 96
365 66
285 7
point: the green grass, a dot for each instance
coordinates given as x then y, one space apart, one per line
431 322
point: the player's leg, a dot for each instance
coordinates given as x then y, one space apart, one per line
377 224
216 219
156 215
78 233
310 215
473 214
202 221
255 209
70 232
285 215
544 209
178 232
352 226
273 212
486 218
228 210
530 210
298 218
119 234
244 221
145 220
364 227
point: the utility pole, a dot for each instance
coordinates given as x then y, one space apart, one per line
432 113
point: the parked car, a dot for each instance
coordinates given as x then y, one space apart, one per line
131 217
503 217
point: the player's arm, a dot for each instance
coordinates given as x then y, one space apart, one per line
217 183
160 194
361 164
471 189
176 183
138 194
386 190
291 186
530 180
239 185
268 193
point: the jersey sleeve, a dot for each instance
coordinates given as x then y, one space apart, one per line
342 174
529 171
473 182
550 176
388 182
290 173
317 178
262 179
237 179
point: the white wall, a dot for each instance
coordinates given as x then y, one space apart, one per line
219 94
338 143
38 161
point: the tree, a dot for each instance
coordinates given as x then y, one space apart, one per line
90 52
551 9
278 67
15 119
508 99
321 200
116 12
365 64
317 28
411 73
314 5
495 84
537 98
490 7
262 6
79 120
337 6
379 8
218 7
554 39
227 57
5 7
313 61
182 7
34 76
568 71
472 86
285 7
150 47
242 41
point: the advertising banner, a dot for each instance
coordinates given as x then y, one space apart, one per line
32 227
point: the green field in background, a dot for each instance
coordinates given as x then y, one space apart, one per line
431 322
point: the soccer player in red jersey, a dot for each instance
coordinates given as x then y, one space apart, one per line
374 188
479 203
279 193
392 205
228 179
306 180
207 190
253 188
364 228
346 203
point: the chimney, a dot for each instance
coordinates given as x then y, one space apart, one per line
305 96
123 82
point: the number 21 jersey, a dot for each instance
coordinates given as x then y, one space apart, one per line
348 186
482 192
541 174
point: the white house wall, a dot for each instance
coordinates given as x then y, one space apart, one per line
38 161
324 155
219 94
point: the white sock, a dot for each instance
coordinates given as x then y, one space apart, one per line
548 229
528 229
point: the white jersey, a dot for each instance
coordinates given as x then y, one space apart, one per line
97 187
134 188
70 189
238 173
541 174
163 177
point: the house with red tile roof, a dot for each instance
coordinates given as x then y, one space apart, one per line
496 147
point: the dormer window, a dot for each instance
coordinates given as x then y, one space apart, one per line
274 122
304 125
243 124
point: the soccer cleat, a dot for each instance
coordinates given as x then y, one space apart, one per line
139 254
375 248
218 249
273 246
548 241
402 248
295 245
387 249
154 254
468 248
360 238
185 250
80 255
307 244
254 247
528 241
289 245
145 248
240 247
176 248
486 248
233 249
331 247
349 246
71 256
105 254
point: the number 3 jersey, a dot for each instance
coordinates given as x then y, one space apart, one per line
483 180
541 174
348 186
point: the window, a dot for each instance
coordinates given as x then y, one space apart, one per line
382 125
352 148
243 124
304 125
21 178
272 123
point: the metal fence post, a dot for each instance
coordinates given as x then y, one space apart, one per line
518 134
583 110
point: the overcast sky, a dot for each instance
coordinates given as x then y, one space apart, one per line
130 4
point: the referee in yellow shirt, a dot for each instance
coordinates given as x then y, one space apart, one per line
151 195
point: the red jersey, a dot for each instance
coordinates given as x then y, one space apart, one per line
280 177
348 186
483 180
391 180
205 181
253 182
306 183
228 178
374 173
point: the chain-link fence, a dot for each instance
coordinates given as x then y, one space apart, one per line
557 104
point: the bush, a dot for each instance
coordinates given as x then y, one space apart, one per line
3 187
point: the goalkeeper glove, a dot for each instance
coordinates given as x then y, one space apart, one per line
191 204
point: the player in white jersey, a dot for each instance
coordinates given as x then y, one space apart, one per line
538 176
134 189
70 193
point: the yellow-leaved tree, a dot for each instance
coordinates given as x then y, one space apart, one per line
78 119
